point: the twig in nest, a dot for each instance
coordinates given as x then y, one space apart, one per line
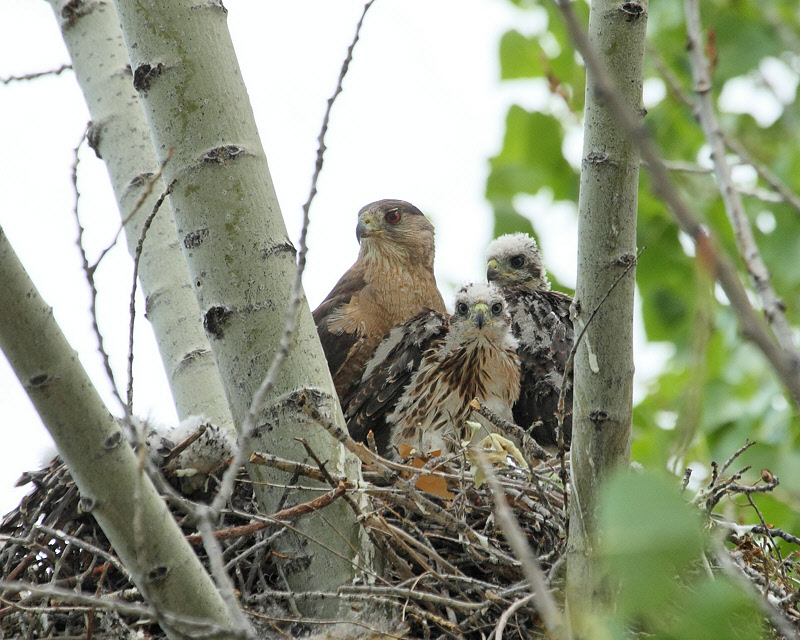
284 515
415 499
179 448
552 617
289 466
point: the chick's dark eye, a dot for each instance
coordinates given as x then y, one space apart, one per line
462 308
497 308
392 217
517 262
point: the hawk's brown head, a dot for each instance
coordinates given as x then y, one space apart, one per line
396 229
514 260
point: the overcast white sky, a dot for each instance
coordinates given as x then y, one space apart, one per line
421 112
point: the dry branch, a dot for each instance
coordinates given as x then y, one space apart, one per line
709 255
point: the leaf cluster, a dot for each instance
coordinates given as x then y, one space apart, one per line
715 390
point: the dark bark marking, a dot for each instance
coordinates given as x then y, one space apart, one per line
223 154
94 135
632 11
283 247
158 573
39 381
113 440
145 75
216 320
195 238
86 504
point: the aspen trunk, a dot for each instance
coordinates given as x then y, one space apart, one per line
602 407
241 263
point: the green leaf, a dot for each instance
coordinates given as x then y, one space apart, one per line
717 610
650 536
508 220
520 57
531 158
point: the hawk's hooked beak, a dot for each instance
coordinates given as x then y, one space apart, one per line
492 272
362 229
480 314
366 227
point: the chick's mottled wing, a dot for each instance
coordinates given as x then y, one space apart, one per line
388 373
542 324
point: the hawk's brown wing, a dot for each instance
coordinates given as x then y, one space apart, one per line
338 344
388 374
544 329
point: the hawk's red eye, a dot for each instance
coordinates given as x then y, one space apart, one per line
392 217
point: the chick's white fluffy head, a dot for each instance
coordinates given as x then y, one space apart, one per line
515 260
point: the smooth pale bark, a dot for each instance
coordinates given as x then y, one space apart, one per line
162 564
602 407
241 262
120 136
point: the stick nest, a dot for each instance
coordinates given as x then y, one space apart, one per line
449 572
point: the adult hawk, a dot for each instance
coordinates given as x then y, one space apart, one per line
391 281
542 325
418 386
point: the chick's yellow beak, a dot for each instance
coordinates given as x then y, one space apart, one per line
492 270
479 314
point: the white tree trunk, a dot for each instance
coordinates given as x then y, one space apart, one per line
162 564
603 393
120 136
241 260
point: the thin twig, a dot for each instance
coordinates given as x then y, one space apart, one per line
732 570
89 272
415 498
326 119
785 365
194 627
571 360
285 515
767 175
137 257
83 544
743 232
217 567
497 633
148 189
787 195
36 74
736 454
179 448
777 533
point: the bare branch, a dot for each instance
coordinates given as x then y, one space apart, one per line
284 515
743 232
786 365
787 195
35 75
136 259
89 273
